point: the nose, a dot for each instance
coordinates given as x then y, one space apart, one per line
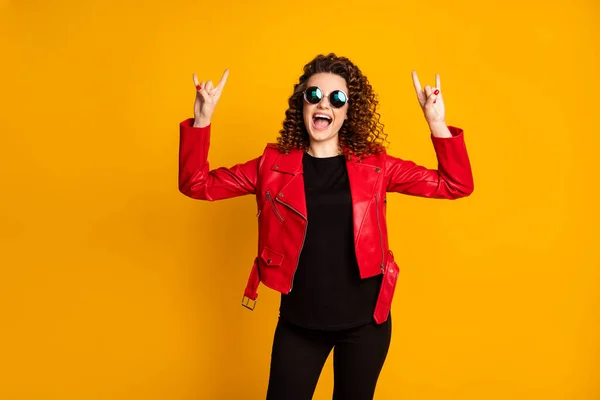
324 103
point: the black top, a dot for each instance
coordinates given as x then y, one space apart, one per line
327 291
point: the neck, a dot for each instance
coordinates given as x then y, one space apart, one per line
330 148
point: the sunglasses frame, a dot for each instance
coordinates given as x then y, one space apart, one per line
325 95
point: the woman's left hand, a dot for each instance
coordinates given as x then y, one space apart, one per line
431 101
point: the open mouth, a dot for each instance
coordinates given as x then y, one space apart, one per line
321 121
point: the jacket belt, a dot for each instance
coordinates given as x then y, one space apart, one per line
384 298
386 292
250 293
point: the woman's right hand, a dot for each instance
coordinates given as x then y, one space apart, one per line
207 98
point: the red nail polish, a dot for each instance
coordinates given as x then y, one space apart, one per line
434 101
198 87
436 92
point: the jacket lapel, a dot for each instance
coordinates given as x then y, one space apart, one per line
363 176
290 179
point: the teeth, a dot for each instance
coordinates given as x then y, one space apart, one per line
322 116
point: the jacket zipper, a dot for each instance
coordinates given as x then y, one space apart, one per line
273 204
303 239
380 234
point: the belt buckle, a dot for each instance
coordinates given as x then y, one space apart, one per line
246 301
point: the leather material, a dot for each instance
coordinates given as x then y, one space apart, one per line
276 180
386 293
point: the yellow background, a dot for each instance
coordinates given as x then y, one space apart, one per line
115 286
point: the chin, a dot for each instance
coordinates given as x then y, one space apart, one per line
321 136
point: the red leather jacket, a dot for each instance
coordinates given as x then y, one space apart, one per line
277 181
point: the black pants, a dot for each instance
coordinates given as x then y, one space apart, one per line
299 354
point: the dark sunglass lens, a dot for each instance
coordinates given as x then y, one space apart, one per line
338 99
313 95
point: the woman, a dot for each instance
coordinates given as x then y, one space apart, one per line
321 196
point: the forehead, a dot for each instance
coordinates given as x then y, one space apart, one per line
328 82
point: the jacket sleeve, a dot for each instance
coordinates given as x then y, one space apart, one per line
452 180
198 181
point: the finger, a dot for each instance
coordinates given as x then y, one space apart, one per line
199 85
420 95
428 90
223 80
201 88
437 82
435 93
209 86
431 100
202 93
416 82
195 78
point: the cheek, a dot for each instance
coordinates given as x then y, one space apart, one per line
305 111
342 115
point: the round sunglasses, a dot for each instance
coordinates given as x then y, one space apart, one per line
314 95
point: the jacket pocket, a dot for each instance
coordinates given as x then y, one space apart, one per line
275 210
270 257
386 292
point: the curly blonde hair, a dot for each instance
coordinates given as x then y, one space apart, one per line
361 134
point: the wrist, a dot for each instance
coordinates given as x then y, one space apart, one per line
440 129
201 123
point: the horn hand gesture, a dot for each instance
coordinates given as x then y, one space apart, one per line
207 97
432 104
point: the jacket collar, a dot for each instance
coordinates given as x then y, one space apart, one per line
362 173
292 163
289 163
